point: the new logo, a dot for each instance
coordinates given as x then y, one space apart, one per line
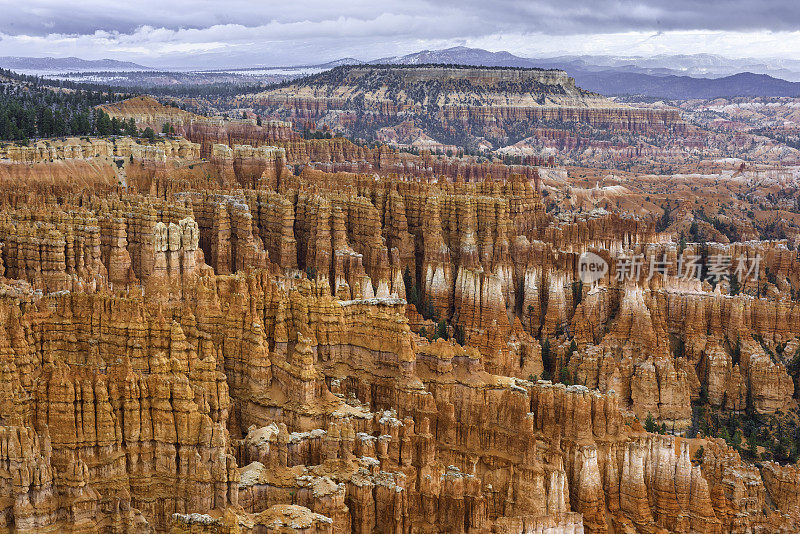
591 267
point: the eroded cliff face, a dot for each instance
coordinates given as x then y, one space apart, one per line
472 96
238 348
293 385
204 131
438 107
73 148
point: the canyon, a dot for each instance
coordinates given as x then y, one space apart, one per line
251 325
239 344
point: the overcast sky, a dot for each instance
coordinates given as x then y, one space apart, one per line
221 33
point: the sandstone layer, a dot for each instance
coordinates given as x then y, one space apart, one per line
230 346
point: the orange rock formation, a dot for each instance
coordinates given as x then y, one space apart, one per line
234 347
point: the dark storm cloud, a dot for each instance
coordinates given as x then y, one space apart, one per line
180 32
603 16
548 16
40 17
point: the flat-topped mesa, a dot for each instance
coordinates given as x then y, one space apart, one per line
479 76
456 81
481 103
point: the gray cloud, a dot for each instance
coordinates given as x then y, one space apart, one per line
607 16
43 17
209 33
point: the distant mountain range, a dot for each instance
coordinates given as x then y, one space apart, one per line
658 77
694 65
671 87
678 77
459 55
63 64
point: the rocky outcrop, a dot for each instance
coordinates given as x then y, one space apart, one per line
207 132
529 87
73 148
440 108
202 132
367 431
239 348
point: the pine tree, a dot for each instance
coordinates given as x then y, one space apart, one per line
752 448
429 311
546 364
102 123
736 440
564 376
411 289
116 126
735 287
129 128
698 455
441 330
458 332
650 423
663 223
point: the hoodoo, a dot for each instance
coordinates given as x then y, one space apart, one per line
359 302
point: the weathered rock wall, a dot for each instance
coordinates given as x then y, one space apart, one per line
243 351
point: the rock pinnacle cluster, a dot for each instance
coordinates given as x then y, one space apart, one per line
239 330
